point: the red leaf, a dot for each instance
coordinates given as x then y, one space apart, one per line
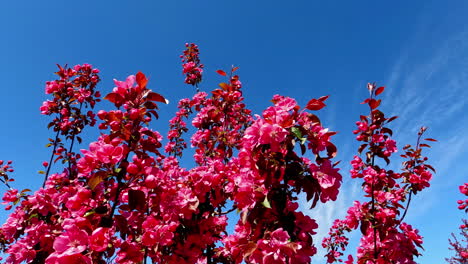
152 96
224 86
136 199
248 249
121 225
315 104
364 226
221 72
141 80
365 101
217 92
154 113
430 139
331 150
323 98
234 69
312 190
111 97
361 148
387 130
379 90
95 180
303 149
387 160
150 105
374 103
430 167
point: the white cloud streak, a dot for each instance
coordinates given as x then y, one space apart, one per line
326 213
432 92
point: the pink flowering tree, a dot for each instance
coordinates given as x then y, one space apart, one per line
386 238
460 246
126 199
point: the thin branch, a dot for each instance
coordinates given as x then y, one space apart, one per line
406 208
51 158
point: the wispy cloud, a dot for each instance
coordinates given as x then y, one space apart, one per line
433 92
326 213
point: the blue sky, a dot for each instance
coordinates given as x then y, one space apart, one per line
302 49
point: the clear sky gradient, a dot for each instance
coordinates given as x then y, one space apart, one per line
302 49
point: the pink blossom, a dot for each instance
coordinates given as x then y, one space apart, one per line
377 138
328 178
47 107
72 242
390 145
362 126
10 196
75 259
109 154
52 87
129 253
99 239
77 201
122 86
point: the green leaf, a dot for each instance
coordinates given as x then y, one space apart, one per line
266 203
33 216
25 190
89 213
297 132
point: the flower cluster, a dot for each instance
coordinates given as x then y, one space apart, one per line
463 204
72 93
191 67
220 122
73 219
385 237
75 87
177 127
5 169
460 246
12 196
268 176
